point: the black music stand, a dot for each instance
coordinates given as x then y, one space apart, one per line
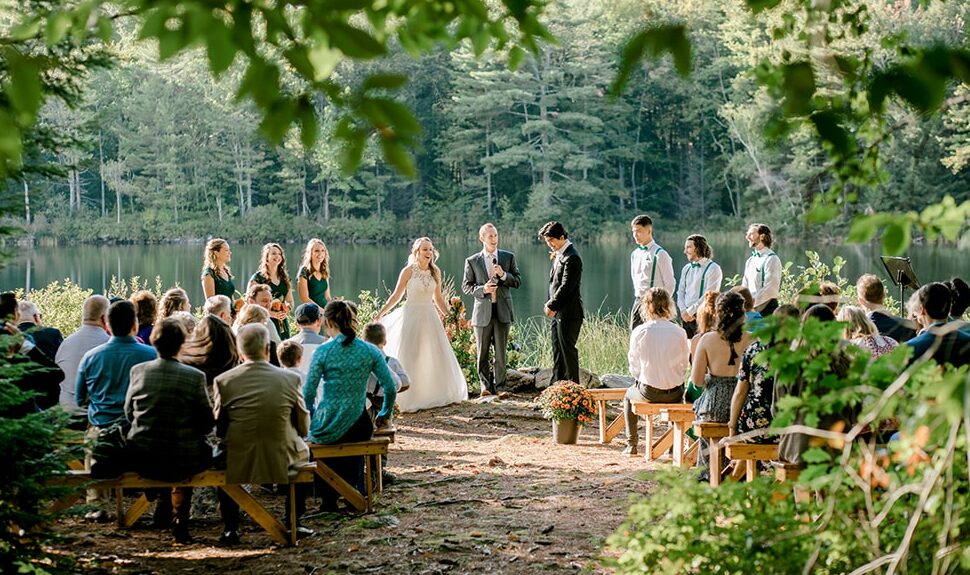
901 272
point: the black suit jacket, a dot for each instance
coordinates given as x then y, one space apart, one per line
47 339
891 326
564 283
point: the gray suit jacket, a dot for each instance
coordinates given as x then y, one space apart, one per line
262 419
473 284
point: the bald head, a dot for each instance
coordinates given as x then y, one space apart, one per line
94 310
253 342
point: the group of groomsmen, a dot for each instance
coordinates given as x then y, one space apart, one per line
652 266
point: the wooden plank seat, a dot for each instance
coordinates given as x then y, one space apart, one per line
751 454
713 432
209 478
389 432
682 446
655 447
371 450
608 430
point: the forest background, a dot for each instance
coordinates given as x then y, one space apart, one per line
159 151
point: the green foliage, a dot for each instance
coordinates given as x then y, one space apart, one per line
692 528
60 304
899 504
603 342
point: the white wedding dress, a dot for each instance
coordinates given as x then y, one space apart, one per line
416 337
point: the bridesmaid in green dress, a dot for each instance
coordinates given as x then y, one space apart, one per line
272 272
216 276
313 280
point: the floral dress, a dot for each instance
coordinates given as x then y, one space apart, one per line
756 411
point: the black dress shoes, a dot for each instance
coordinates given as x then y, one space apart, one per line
229 538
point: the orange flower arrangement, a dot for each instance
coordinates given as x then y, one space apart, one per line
280 306
567 400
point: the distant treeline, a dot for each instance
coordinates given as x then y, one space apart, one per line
161 151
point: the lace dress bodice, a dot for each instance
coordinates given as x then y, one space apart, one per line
421 286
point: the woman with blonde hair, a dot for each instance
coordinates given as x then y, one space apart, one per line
172 301
272 272
216 275
416 337
313 278
861 331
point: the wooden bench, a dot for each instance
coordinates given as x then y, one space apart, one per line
608 430
655 447
751 454
684 449
371 450
209 478
713 432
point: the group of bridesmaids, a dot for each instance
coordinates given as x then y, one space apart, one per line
313 277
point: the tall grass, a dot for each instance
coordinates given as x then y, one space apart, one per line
603 342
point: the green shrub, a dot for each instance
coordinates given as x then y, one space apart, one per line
603 342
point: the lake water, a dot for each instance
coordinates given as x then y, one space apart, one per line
606 278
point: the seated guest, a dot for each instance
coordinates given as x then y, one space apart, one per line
261 420
172 301
871 294
941 338
146 308
705 319
755 391
341 366
376 334
103 376
959 300
186 319
829 294
658 358
291 354
310 322
39 375
92 333
47 339
716 365
219 306
862 332
211 348
256 314
170 414
260 294
791 446
752 318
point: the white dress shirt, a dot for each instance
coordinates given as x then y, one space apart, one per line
659 354
696 279
762 276
69 356
651 266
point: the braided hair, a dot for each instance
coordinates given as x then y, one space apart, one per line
729 318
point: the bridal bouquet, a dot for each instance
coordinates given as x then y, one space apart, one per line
567 400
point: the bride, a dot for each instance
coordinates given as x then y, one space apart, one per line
416 337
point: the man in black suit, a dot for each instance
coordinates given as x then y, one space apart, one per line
489 275
47 339
565 303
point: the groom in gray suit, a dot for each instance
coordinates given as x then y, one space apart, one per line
489 274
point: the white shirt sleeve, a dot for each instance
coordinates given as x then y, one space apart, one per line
665 273
633 356
769 287
682 288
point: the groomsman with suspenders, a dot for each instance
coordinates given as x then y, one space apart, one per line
699 276
650 266
762 271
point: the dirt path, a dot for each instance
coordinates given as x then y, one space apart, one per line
482 489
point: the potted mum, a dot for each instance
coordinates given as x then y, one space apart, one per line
569 405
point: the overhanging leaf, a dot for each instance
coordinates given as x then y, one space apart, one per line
757 6
799 87
653 42
896 236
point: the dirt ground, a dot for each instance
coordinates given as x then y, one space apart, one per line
481 488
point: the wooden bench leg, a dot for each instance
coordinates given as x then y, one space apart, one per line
134 513
601 408
661 445
119 507
342 487
259 513
714 455
690 454
751 469
680 439
614 428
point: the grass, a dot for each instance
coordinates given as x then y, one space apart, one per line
603 343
